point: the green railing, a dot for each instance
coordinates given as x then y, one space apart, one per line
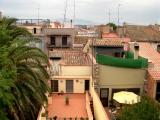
128 62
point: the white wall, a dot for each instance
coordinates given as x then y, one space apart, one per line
78 84
76 70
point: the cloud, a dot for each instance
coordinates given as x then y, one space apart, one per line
132 11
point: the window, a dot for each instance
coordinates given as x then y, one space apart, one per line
34 30
104 94
64 40
53 40
117 54
158 48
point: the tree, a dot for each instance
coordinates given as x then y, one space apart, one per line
113 26
147 109
23 74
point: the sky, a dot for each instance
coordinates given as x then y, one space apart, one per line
96 11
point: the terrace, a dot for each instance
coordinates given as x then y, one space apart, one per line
77 107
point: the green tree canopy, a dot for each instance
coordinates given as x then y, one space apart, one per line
147 109
23 74
114 26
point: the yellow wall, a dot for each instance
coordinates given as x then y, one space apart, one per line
76 70
112 76
99 112
78 84
62 85
76 73
30 29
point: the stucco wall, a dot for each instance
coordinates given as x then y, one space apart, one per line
76 70
112 76
31 29
99 111
78 84
58 41
120 78
151 87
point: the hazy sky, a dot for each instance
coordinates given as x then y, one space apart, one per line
131 11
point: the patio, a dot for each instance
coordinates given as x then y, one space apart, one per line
75 109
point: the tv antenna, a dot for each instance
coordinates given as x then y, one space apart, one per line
38 14
74 16
65 12
118 14
109 16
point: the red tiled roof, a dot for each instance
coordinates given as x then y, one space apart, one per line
110 35
153 56
71 57
107 42
111 42
142 33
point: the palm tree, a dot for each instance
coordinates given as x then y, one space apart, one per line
25 69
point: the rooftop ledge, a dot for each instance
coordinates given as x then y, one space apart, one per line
128 62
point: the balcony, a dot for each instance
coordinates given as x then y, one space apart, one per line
127 62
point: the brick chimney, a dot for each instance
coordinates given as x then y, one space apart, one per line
136 50
134 47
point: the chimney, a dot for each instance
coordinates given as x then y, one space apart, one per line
71 22
136 50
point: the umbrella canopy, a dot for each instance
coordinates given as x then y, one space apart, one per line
125 97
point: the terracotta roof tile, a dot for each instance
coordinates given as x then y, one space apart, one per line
114 42
153 56
142 33
71 57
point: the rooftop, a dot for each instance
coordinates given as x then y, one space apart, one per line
142 33
71 57
76 107
110 42
147 51
110 35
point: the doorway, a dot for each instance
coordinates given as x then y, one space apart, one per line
69 86
87 85
54 85
104 93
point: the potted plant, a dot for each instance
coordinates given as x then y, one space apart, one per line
67 100
81 118
55 118
43 114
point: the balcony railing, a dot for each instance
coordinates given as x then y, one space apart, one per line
127 62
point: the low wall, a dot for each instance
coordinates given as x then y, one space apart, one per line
40 117
89 112
99 111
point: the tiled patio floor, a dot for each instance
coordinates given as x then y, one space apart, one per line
76 107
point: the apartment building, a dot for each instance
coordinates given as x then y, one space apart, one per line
35 27
71 71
